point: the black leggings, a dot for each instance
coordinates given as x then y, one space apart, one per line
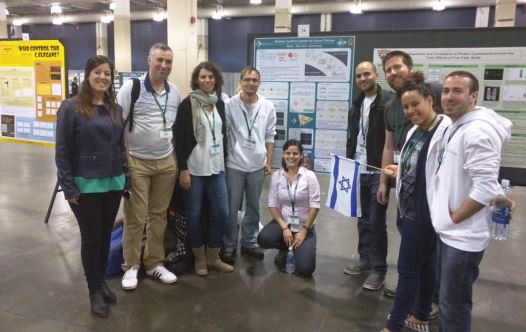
95 215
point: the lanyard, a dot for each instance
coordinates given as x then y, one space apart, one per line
211 125
249 128
398 130
293 199
444 146
364 128
412 146
163 110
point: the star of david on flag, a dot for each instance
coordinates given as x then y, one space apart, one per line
344 187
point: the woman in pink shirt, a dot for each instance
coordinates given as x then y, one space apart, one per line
294 202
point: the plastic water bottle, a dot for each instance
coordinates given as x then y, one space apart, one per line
500 221
291 263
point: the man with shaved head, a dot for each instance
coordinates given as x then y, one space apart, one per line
365 144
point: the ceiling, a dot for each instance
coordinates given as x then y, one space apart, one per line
41 8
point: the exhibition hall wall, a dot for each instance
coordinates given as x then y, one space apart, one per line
228 37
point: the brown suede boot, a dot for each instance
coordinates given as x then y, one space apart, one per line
200 261
214 262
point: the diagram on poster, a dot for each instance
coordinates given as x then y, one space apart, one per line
302 97
310 81
32 86
501 72
332 114
274 90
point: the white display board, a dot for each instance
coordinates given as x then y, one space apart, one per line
501 72
309 80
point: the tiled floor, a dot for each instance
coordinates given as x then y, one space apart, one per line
42 286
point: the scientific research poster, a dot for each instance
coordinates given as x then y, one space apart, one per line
501 72
309 80
32 86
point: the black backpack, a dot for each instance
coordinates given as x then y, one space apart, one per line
136 91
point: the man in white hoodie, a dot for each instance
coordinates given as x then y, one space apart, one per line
251 127
466 182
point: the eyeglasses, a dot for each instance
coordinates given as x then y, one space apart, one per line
248 79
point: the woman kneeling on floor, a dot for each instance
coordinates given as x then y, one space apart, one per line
294 202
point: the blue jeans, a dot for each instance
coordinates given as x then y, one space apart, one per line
212 187
250 184
416 273
271 237
457 271
372 231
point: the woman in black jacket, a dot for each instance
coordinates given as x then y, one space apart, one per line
93 171
200 146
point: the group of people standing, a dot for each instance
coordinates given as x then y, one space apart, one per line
446 171
442 149
133 145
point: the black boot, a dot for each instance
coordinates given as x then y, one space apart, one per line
109 295
98 306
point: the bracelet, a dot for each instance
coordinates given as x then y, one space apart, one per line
284 228
307 228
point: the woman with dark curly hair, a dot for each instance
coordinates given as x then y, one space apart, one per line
200 146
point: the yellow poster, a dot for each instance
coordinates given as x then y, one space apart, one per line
32 86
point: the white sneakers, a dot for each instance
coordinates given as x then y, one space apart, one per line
129 279
162 273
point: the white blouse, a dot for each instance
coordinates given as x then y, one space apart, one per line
201 161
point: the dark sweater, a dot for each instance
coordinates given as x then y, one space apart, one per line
375 134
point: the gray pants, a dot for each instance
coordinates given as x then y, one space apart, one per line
271 237
250 184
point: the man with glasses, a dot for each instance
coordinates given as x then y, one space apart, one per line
251 127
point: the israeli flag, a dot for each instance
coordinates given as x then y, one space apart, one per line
344 187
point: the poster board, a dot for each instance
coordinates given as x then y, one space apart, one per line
309 80
501 72
32 86
367 41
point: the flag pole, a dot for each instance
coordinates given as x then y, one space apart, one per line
357 162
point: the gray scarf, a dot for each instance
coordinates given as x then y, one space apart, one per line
199 101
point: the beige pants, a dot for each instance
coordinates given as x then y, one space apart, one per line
152 187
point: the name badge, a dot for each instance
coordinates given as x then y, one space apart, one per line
249 144
396 157
215 149
293 220
361 149
166 133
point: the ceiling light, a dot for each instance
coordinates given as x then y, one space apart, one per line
17 22
439 5
219 13
356 7
56 9
107 18
6 12
112 5
160 15
58 20
255 2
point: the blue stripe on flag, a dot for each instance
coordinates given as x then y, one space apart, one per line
354 193
335 171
